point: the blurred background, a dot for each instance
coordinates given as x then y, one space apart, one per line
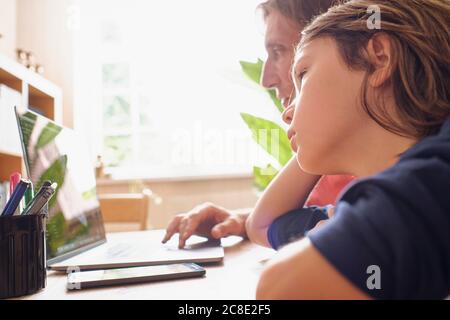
155 88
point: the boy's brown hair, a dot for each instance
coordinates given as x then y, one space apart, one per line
419 31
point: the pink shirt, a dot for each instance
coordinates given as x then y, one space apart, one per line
328 190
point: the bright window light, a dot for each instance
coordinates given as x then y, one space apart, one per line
159 86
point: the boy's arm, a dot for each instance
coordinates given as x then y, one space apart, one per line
288 191
306 275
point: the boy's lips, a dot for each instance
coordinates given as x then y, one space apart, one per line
293 143
291 136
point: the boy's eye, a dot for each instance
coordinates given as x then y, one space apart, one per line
301 75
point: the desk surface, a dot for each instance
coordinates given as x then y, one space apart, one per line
235 278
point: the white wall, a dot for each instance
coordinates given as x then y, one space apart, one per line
42 27
8 20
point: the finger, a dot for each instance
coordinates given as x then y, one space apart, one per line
228 227
187 230
319 224
172 228
330 212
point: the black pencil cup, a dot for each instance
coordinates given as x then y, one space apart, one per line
23 260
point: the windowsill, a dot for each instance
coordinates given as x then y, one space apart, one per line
157 178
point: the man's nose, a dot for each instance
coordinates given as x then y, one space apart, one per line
288 114
269 78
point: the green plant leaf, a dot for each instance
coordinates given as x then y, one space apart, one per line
48 134
55 173
56 229
270 136
263 176
252 70
27 122
275 100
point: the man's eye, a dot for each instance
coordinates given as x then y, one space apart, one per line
275 54
277 51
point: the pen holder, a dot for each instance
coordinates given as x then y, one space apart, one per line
23 260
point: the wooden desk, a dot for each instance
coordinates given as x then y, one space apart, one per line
235 278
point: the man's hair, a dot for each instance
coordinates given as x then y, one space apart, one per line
300 11
419 31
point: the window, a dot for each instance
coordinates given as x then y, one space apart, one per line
158 83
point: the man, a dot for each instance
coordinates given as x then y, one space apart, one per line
284 21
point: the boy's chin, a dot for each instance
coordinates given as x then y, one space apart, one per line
304 164
311 165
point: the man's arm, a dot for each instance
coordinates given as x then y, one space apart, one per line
288 191
306 274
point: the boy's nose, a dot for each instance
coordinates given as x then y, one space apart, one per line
288 114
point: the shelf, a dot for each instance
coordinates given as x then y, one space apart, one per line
39 100
35 92
10 164
9 80
20 73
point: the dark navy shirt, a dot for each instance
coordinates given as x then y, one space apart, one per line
394 226
294 225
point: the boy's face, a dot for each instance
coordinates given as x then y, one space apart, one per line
281 37
328 124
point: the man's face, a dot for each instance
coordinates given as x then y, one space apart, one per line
282 35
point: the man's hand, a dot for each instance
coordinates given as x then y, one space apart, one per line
207 220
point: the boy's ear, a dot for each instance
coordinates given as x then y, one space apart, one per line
380 54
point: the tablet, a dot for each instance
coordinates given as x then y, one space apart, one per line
89 279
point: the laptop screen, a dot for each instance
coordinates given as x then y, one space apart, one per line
55 153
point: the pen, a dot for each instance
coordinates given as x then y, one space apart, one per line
14 180
29 195
41 198
46 183
15 198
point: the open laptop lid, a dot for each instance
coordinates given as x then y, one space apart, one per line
52 152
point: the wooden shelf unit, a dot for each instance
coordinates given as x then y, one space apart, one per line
35 91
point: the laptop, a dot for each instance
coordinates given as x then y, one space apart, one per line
76 236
